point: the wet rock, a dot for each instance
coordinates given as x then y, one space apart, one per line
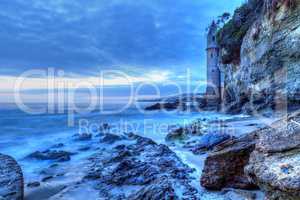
84 148
33 184
120 155
131 172
11 179
163 106
224 167
253 124
208 141
274 165
178 134
105 128
83 137
59 156
46 191
53 170
156 106
93 175
47 178
161 189
232 194
54 165
183 133
140 163
110 138
59 145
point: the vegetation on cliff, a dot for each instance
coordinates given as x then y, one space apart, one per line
262 53
230 36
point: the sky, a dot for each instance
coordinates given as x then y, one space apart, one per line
148 40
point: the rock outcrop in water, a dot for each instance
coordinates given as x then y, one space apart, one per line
146 169
275 163
11 179
261 57
130 167
60 156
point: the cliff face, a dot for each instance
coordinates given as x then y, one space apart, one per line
266 73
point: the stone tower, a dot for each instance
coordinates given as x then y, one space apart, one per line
213 71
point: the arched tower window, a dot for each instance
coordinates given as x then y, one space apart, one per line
211 55
214 38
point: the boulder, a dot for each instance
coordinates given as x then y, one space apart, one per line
208 141
224 166
147 170
84 148
185 132
60 156
164 106
162 189
110 138
33 184
57 146
83 137
275 164
178 134
153 107
11 179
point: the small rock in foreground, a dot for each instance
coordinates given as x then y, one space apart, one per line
11 179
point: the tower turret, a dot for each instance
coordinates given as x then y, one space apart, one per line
213 71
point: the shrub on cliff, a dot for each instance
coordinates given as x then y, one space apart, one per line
230 36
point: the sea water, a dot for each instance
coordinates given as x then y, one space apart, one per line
22 134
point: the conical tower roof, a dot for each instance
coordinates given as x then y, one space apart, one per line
212 36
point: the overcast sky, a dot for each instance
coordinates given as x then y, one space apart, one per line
148 40
84 37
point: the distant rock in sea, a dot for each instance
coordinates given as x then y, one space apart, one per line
185 102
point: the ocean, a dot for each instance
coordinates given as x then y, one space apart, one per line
22 134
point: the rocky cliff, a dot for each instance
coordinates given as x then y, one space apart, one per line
260 56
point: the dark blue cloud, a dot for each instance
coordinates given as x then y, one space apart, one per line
86 36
